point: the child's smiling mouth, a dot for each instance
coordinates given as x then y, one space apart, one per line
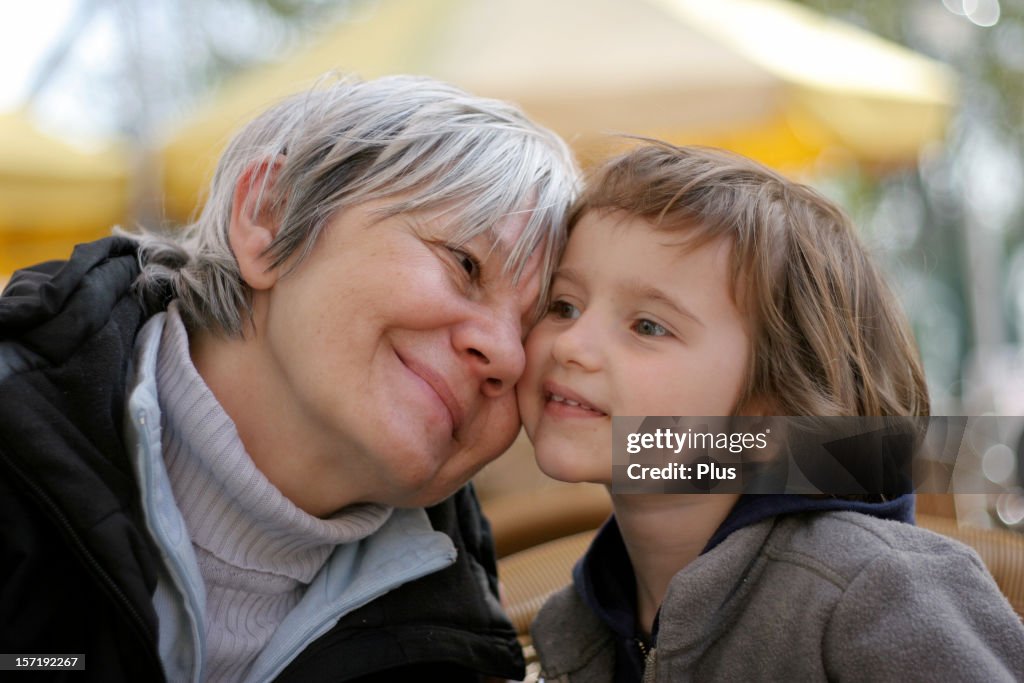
565 402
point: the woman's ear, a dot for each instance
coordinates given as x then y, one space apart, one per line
253 227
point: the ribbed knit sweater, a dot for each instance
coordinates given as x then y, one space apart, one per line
256 550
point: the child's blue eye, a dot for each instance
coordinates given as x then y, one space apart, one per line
649 328
564 310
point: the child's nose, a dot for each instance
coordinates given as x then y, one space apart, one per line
578 344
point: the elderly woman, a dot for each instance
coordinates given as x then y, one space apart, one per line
232 455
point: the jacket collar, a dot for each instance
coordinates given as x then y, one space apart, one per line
606 583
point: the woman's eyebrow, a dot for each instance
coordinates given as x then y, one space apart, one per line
500 242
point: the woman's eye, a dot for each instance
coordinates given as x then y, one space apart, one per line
649 328
467 262
564 310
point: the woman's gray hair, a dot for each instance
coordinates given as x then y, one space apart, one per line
349 142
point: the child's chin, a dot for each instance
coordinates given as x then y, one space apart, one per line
565 469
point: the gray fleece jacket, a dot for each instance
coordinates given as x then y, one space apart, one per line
834 595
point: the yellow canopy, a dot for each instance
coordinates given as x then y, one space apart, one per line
763 77
52 195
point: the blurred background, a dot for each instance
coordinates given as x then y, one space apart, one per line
908 113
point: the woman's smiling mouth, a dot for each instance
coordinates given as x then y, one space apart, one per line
439 388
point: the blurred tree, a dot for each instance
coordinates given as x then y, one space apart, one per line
950 230
154 59
140 65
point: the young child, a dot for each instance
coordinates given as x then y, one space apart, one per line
696 282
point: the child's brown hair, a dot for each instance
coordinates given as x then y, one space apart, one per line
828 336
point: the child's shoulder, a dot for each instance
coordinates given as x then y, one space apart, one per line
903 601
843 545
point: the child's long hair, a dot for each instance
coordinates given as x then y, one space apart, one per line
828 335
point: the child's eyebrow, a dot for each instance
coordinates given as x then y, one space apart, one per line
643 290
567 274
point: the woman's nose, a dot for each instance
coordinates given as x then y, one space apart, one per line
491 343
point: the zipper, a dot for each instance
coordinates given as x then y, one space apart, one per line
649 655
135 619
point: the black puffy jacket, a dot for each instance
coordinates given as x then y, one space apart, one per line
77 568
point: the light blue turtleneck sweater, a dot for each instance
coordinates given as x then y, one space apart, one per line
256 550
